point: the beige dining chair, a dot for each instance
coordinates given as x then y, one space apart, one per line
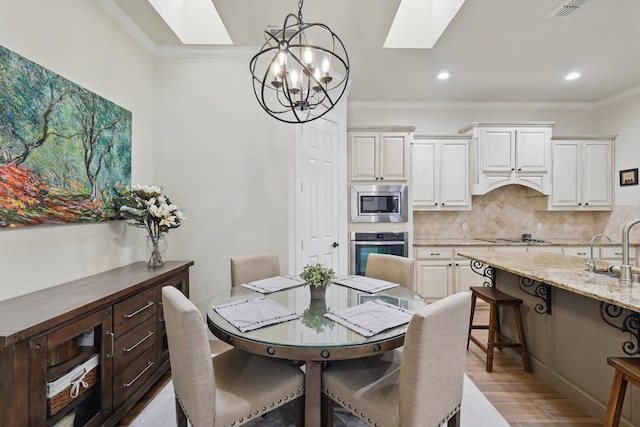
420 386
392 268
248 268
230 389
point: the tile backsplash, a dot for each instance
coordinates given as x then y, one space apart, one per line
508 212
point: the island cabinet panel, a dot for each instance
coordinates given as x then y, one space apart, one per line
107 329
569 347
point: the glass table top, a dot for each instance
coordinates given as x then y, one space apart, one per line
312 329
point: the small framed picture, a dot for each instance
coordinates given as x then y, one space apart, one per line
629 177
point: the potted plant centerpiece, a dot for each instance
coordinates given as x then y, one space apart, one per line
317 276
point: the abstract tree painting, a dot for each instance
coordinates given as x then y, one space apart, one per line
62 148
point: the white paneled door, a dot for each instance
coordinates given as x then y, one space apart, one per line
319 204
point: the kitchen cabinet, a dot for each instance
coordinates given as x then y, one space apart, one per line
115 315
608 253
582 174
440 173
510 153
379 154
613 254
441 271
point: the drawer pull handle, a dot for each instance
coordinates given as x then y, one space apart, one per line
435 253
149 335
110 354
128 316
582 253
129 384
618 253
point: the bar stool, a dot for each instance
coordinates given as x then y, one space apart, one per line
627 370
497 299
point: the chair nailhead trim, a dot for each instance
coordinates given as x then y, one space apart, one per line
356 411
264 408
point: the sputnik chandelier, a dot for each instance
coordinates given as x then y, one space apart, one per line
301 72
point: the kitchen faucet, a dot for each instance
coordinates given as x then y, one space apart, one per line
592 263
625 269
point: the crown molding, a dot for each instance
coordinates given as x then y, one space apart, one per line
369 105
618 97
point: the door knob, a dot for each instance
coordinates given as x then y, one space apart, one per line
335 244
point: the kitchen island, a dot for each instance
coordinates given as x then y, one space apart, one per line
573 320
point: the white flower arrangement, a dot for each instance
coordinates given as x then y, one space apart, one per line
146 206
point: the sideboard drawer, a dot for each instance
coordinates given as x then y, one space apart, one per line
132 377
134 343
132 311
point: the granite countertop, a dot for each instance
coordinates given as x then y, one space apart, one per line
471 241
564 272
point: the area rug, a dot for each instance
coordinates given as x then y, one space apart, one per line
476 411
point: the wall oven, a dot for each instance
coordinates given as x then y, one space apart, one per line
379 203
363 244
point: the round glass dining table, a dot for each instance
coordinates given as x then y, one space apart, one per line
312 337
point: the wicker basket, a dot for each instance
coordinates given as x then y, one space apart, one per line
87 373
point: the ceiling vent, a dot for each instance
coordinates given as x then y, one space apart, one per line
566 8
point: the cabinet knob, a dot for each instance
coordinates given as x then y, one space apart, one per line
512 169
519 169
443 204
579 204
381 178
586 204
436 204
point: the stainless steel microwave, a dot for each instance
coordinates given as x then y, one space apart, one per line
379 203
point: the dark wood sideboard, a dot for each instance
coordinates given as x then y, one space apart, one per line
45 334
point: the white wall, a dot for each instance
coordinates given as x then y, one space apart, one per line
228 163
77 40
623 119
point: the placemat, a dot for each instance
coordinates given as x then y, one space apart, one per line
250 314
371 317
366 284
274 284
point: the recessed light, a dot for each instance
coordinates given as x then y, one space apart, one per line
444 75
572 76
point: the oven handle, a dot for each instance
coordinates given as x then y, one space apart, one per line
376 243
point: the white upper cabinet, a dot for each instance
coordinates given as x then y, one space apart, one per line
510 153
582 174
379 154
440 173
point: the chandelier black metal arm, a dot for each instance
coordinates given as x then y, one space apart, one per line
294 84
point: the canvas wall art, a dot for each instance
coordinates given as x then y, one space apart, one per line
62 148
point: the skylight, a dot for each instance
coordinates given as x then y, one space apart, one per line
193 21
418 24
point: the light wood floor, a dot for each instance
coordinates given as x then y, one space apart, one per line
524 400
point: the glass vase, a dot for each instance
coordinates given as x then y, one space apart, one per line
157 245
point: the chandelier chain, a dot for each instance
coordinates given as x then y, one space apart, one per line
300 11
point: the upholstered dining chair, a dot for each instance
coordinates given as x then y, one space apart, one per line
420 386
226 390
248 268
392 268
